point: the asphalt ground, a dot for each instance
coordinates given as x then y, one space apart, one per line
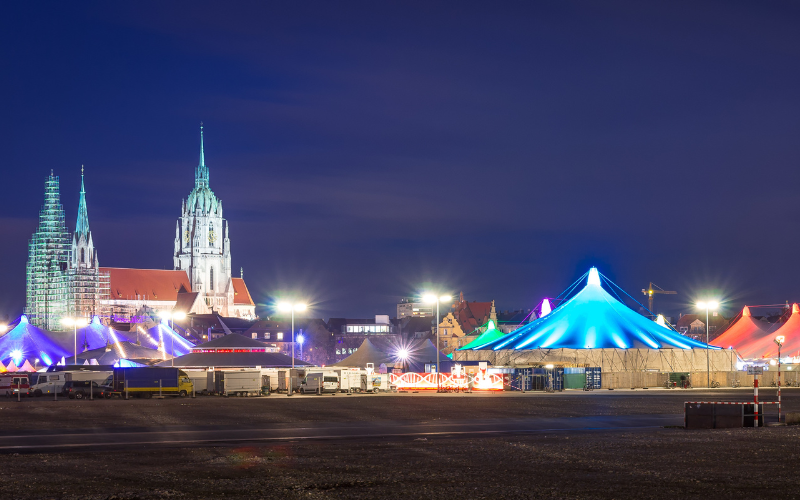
539 446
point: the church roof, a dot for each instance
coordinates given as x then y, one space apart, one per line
151 284
241 295
82 225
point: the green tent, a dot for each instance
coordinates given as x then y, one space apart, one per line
491 334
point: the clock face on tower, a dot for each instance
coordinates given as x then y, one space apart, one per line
212 236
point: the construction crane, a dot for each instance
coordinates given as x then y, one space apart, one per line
651 291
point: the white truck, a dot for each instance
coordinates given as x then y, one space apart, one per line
245 382
202 380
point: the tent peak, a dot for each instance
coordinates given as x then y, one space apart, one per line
594 277
545 309
795 309
746 311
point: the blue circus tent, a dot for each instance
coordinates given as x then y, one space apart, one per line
167 340
27 342
590 319
95 335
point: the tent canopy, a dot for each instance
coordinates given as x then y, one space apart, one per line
743 333
417 354
491 334
765 346
26 341
591 319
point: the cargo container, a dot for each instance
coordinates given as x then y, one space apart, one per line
151 381
237 382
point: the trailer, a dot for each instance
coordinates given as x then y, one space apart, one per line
352 380
151 381
202 380
237 382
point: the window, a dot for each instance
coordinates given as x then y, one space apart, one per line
280 336
254 335
211 279
338 351
266 336
83 259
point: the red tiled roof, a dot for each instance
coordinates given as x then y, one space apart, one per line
241 295
150 284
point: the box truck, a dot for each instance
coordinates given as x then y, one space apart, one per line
14 383
237 382
151 381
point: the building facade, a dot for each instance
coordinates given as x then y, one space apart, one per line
407 308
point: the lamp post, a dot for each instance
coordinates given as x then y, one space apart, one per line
430 299
403 355
287 307
75 323
708 306
172 316
779 340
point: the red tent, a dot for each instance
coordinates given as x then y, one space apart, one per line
743 332
765 347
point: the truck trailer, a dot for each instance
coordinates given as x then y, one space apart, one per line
237 382
151 381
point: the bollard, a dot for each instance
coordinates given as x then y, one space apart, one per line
755 398
159 388
193 396
19 396
91 391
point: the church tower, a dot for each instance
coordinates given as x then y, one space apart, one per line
202 247
85 285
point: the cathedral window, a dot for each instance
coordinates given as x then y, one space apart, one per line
211 280
82 256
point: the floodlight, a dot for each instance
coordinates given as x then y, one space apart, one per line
549 367
165 314
702 305
445 298
284 306
67 321
301 339
429 298
780 339
179 315
402 354
300 307
713 305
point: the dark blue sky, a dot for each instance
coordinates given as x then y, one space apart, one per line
364 148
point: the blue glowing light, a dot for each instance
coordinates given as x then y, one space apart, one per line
16 355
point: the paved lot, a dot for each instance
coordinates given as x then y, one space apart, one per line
636 462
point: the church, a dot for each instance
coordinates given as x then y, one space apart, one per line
64 277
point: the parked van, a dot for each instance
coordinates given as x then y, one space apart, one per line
317 383
48 383
14 383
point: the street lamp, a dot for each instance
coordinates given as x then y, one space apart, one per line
430 298
75 323
403 355
172 316
711 305
780 339
287 307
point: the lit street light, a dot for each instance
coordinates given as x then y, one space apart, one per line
287 307
780 339
403 355
75 323
171 316
711 305
430 299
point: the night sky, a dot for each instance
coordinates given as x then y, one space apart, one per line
365 149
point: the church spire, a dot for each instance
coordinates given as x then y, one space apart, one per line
82 225
201 174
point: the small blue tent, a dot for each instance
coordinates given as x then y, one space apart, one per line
27 342
591 319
